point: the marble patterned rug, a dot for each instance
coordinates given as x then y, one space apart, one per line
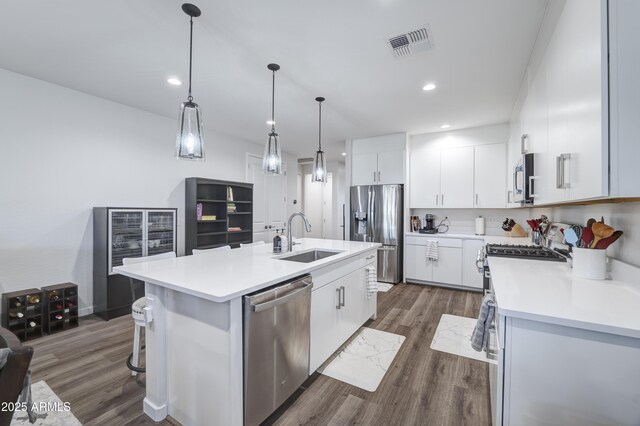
50 409
453 336
384 287
364 361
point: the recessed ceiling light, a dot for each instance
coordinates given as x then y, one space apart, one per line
270 122
445 126
174 81
344 153
429 86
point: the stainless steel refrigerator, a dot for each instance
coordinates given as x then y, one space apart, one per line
376 216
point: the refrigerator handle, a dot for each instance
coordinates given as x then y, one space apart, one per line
372 220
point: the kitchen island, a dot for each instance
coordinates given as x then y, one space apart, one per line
194 341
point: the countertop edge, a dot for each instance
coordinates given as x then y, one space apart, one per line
222 299
566 322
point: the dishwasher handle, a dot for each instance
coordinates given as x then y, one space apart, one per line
279 301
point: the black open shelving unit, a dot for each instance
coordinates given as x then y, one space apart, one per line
217 197
60 307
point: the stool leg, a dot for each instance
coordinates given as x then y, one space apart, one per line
136 348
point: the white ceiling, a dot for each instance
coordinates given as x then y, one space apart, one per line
124 50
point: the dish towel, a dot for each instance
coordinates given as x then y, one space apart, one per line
480 336
372 281
431 250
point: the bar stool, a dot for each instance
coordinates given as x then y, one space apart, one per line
203 251
137 309
257 243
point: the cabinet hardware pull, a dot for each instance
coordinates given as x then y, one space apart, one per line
343 296
436 199
558 172
370 257
523 139
338 305
476 199
374 176
442 200
531 193
378 176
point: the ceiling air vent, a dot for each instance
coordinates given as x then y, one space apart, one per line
412 42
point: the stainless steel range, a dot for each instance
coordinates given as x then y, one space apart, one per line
514 251
523 252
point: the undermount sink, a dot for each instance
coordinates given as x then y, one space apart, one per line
310 256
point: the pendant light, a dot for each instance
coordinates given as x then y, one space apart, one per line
272 159
189 141
319 173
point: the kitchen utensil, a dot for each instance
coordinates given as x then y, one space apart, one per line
600 231
590 222
517 231
606 242
508 224
578 230
587 237
570 237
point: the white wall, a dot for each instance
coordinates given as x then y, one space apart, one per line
496 133
63 152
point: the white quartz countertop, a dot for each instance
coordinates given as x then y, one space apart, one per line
548 292
224 275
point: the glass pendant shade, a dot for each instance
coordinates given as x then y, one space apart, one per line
319 173
189 141
272 158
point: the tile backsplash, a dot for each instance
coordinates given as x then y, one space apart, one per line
463 220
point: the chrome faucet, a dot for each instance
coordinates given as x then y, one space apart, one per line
307 226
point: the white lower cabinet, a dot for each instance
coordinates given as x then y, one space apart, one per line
338 309
455 264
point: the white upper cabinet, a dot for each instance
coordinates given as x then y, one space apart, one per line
391 167
364 168
465 177
490 171
456 177
564 117
424 179
379 160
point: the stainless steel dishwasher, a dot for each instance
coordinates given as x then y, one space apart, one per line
276 346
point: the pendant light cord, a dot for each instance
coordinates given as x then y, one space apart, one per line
273 103
190 56
320 126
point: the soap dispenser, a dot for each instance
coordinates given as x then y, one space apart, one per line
277 243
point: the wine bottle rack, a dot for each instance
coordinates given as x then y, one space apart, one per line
60 303
22 313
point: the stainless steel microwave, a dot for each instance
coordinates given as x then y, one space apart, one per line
523 180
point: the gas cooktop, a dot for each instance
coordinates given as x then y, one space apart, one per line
524 252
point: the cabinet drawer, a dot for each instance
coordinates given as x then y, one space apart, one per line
442 242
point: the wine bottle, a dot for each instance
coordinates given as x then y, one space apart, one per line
71 305
32 324
33 299
58 316
54 295
17 303
58 307
16 314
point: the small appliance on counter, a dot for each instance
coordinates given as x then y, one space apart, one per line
429 225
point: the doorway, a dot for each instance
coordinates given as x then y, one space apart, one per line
269 199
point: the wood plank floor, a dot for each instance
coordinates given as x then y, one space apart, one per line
86 367
421 387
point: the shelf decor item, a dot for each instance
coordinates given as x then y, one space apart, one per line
22 313
319 173
272 159
189 141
